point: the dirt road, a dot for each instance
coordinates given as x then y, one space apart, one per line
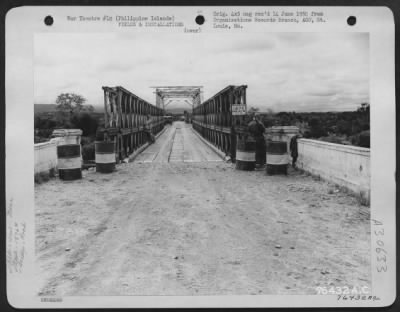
155 227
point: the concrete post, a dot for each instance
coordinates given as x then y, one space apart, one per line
282 133
67 136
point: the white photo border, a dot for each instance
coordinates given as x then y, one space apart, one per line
24 22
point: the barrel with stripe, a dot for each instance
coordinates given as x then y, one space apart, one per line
69 161
277 157
105 156
245 152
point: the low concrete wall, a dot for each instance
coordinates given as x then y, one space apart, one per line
46 156
346 165
46 152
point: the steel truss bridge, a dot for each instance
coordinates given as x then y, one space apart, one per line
125 115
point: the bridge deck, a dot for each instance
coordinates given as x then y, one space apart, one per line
178 143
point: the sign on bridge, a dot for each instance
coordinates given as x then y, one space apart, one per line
238 109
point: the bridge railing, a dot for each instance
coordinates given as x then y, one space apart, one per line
214 121
125 116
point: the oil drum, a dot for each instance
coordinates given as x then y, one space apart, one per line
69 161
105 156
245 152
277 157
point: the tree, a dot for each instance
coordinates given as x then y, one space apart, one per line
86 123
43 127
253 110
72 103
365 139
68 105
364 108
316 128
344 127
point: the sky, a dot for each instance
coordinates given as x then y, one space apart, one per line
283 71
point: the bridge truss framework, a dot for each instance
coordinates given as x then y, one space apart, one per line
214 121
125 116
166 94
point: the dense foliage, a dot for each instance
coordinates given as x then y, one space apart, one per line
336 127
71 113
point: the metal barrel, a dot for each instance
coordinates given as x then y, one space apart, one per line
277 157
69 162
245 152
105 156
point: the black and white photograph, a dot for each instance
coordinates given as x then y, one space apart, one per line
199 164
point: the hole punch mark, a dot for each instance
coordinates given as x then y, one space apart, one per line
200 19
351 20
48 20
